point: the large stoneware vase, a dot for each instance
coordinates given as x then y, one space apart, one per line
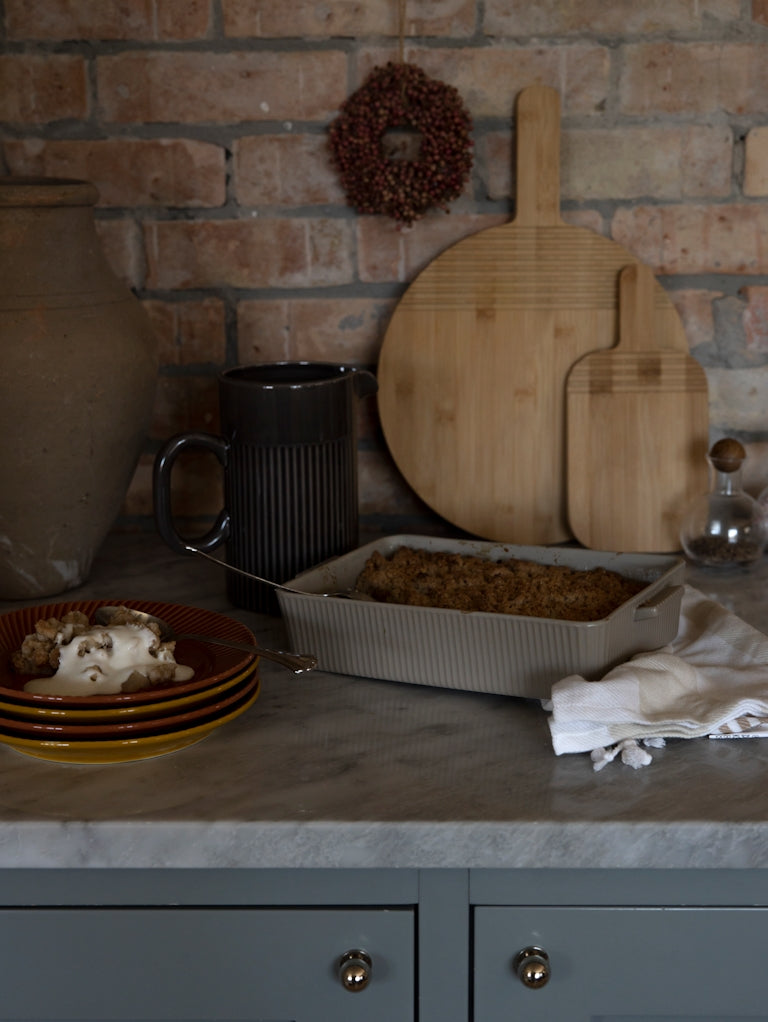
78 367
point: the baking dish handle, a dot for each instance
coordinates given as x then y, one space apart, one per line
657 603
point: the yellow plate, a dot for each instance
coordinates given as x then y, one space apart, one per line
128 750
45 714
64 731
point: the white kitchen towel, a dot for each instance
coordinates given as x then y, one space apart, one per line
712 680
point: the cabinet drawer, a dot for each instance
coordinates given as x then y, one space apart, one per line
628 964
191 963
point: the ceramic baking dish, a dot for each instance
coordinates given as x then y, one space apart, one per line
497 653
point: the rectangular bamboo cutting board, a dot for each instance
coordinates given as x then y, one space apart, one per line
637 418
474 360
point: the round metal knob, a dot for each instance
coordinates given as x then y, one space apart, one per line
355 969
532 967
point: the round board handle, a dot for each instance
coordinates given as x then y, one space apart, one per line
537 148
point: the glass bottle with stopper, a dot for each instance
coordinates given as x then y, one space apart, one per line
725 527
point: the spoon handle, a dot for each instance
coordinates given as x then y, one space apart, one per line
240 571
296 662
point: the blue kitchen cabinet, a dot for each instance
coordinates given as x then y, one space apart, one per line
623 963
206 963
192 963
619 946
264 945
443 945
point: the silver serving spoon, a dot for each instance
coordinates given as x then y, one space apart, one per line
343 594
296 662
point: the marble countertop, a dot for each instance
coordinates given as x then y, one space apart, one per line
332 771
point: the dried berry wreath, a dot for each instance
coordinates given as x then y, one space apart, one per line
399 96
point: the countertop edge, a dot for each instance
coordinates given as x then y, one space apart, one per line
401 845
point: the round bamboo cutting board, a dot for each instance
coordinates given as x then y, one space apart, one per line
473 363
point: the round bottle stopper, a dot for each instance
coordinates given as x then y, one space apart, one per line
727 454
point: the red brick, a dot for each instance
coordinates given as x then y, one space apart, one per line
107 19
382 489
257 252
182 19
387 252
674 162
695 310
189 332
696 239
197 485
621 163
196 491
670 77
598 17
184 404
130 172
263 330
317 329
592 219
285 170
738 398
190 404
220 88
695 78
36 89
490 79
756 162
123 247
495 155
755 320
265 18
339 329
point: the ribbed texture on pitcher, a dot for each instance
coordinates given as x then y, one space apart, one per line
305 498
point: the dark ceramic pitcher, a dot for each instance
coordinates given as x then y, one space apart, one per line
289 453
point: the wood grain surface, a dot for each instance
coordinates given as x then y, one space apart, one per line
474 360
637 421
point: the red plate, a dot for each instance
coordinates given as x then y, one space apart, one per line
210 663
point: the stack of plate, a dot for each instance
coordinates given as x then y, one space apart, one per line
125 727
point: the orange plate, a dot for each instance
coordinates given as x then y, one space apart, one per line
154 725
126 750
119 714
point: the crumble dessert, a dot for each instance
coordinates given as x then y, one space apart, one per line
424 578
72 657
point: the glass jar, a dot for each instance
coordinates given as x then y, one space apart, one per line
725 527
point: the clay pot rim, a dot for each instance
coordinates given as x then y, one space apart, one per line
18 190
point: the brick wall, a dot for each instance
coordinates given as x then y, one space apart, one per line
203 124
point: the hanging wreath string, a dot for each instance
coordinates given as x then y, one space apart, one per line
402 96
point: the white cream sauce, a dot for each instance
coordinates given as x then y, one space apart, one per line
101 659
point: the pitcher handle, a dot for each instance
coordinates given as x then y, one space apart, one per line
161 488
364 382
